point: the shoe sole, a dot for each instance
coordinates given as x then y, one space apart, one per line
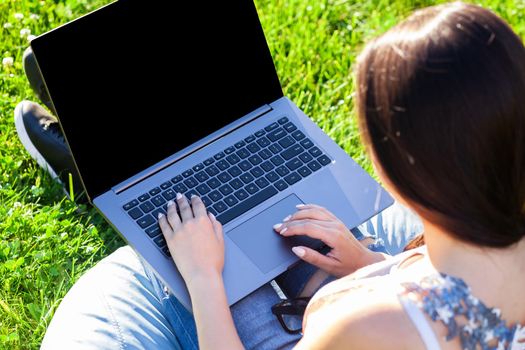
26 141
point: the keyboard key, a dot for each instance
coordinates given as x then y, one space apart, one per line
135 213
324 160
304 171
177 179
190 182
292 178
146 220
275 148
155 213
179 188
212 170
147 207
253 147
282 170
235 171
203 189
241 194
271 126
306 143
233 159
214 183
213 211
158 200
292 151
229 150
281 185
248 204
294 164
245 165
166 251
249 139
219 155
215 196
256 172
265 154
130 205
243 153
159 241
298 135
263 141
190 193
170 194
236 184
187 173
201 176
277 134
316 152
220 206
272 176
209 161
277 160
231 200
267 166
222 164
224 177
305 157
226 189
165 185
198 167
282 120
259 133
246 178
153 231
262 182
290 127
207 202
286 142
251 188
314 165
154 191
239 144
255 159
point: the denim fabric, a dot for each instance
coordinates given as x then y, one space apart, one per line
120 304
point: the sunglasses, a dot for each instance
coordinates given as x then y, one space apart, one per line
290 313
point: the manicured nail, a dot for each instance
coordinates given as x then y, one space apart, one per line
283 230
299 251
193 195
277 226
287 218
300 206
170 203
161 215
178 196
211 215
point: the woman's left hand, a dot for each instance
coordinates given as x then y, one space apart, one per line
195 238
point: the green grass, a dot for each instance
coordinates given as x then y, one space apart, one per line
47 242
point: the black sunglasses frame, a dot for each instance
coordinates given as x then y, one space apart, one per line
295 306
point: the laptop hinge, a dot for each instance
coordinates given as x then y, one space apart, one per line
259 112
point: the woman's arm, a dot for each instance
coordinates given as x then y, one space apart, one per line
196 242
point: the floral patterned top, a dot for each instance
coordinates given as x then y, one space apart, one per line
448 299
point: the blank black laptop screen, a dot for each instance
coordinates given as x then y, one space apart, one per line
136 81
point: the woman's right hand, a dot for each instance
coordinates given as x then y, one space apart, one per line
347 254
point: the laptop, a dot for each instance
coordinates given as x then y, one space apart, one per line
161 97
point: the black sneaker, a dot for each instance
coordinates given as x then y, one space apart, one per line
41 136
35 79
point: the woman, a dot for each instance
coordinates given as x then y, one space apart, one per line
441 109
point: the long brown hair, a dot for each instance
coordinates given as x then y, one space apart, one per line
441 104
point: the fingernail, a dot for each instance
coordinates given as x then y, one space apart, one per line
211 215
287 218
277 226
161 215
299 206
283 230
179 196
298 251
193 195
170 203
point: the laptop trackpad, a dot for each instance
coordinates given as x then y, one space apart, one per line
265 247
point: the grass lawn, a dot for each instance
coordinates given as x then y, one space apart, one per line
47 242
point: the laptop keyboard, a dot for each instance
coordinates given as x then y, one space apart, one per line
236 179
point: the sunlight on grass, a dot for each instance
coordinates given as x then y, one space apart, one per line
47 241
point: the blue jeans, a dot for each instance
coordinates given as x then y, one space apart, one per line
120 304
